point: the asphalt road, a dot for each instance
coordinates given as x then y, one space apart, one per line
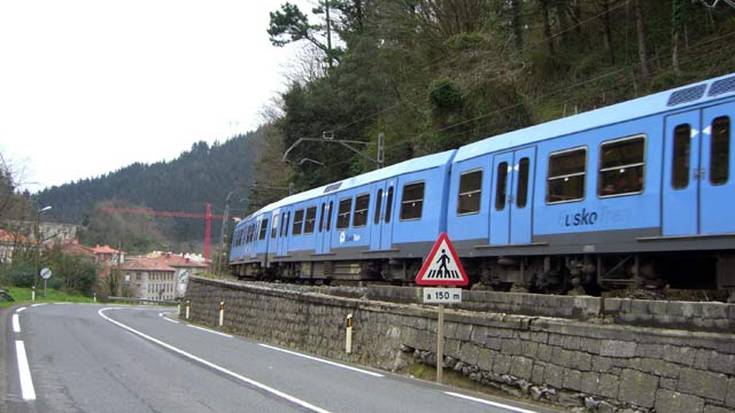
89 358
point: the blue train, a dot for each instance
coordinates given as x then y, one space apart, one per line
634 194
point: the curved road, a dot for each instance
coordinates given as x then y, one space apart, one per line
90 358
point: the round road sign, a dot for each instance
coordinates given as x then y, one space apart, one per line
46 273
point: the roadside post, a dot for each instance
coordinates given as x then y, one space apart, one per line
94 297
348 335
45 274
221 313
33 293
188 305
441 268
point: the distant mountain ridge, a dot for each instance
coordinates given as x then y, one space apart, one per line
202 174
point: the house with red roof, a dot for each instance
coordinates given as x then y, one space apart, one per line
149 278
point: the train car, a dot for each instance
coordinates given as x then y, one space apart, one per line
375 226
638 193
633 194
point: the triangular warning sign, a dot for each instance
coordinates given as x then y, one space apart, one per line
442 266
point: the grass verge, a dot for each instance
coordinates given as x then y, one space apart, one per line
23 295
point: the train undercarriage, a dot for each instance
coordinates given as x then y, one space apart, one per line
551 274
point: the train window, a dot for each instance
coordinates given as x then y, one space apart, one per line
251 231
298 222
622 164
565 179
274 228
321 217
329 215
310 220
680 167
501 186
389 205
412 201
362 204
524 167
263 229
719 167
285 223
343 215
470 192
378 202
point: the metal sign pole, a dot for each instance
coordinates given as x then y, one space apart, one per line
440 344
44 287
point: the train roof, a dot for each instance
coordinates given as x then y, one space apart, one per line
412 165
673 99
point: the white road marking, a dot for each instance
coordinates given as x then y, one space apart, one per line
16 324
211 365
37 304
20 310
170 320
209 331
489 403
331 363
24 372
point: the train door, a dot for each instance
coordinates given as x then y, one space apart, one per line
521 202
500 198
376 212
717 190
681 174
272 235
326 222
283 232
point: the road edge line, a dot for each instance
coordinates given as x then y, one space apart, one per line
16 324
251 382
24 372
209 331
332 363
489 403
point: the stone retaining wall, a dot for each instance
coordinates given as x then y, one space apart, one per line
577 363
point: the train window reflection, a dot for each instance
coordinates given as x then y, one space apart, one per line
719 168
565 179
682 147
412 201
310 220
524 167
298 222
622 165
263 229
501 185
362 203
378 202
470 192
343 214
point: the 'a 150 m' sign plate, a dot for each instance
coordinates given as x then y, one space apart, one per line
442 295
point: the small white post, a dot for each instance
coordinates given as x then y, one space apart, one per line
348 336
94 297
188 305
33 293
440 344
221 313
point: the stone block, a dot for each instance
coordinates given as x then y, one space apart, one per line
485 359
494 343
511 346
572 343
608 386
722 363
553 375
544 353
702 359
716 409
674 402
657 367
638 388
537 374
669 384
590 382
601 364
616 348
679 355
521 367
501 365
529 349
730 398
556 339
572 380
468 353
702 383
581 361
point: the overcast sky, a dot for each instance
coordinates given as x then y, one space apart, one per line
89 86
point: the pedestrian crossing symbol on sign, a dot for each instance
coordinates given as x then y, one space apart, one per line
442 266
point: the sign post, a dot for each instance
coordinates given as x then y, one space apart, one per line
45 274
442 268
